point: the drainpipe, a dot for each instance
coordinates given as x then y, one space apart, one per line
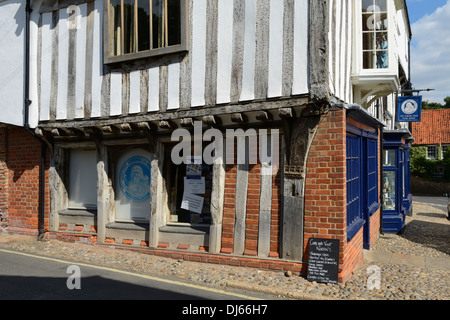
26 125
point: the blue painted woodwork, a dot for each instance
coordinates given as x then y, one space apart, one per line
397 198
362 181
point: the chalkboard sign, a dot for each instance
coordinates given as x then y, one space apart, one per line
323 263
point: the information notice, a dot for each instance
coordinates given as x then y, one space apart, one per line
323 263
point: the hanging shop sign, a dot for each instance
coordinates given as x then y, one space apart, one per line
409 109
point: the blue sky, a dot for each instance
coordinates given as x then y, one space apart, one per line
430 47
419 8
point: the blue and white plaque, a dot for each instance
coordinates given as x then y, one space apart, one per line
134 178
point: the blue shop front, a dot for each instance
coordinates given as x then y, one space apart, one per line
396 194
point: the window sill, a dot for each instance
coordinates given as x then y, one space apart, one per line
79 212
353 229
128 226
199 230
373 208
149 54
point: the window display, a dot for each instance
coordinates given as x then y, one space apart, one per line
190 188
389 190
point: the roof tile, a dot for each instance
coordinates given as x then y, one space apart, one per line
434 128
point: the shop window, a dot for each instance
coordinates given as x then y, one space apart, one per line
144 28
372 175
353 180
83 179
389 185
375 34
132 186
189 188
362 179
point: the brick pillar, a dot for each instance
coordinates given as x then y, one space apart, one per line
326 188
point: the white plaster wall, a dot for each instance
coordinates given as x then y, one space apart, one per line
12 32
234 72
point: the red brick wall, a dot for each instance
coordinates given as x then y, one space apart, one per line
252 214
229 209
21 169
325 199
252 217
325 189
375 225
353 256
326 193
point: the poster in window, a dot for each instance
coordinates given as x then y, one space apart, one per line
194 167
135 178
194 186
192 202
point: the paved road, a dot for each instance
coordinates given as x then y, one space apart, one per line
434 201
25 276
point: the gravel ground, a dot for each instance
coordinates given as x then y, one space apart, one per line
426 234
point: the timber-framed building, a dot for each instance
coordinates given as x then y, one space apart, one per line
108 82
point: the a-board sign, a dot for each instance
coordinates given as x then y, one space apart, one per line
323 263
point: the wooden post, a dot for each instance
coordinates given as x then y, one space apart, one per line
318 50
103 194
296 145
217 199
58 192
265 210
157 195
241 208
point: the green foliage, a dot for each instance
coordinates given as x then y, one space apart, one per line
447 102
446 164
425 168
436 105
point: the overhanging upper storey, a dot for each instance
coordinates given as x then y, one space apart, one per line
381 41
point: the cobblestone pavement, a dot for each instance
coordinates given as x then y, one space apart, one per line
426 234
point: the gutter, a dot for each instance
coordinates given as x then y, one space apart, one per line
26 125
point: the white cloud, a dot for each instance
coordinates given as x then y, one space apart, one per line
430 54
